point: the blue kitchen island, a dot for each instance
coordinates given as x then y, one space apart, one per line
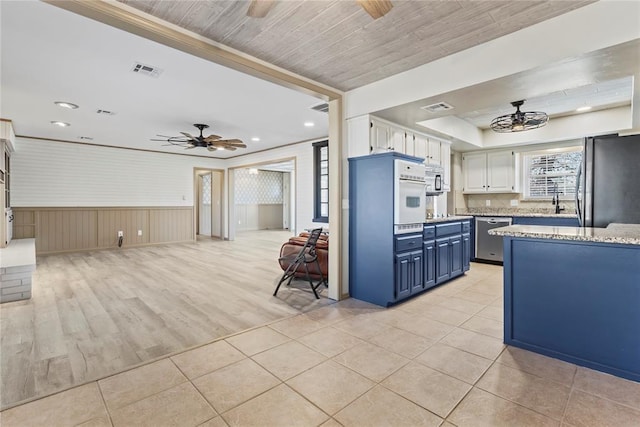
574 294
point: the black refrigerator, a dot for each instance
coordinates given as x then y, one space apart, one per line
609 181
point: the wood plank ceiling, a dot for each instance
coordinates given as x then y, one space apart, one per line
337 43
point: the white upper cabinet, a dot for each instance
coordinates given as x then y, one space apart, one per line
489 172
380 136
397 140
474 172
420 146
434 151
369 134
501 171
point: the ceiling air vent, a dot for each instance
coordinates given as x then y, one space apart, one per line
437 107
146 70
106 112
324 107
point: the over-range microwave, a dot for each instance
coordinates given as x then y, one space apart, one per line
433 179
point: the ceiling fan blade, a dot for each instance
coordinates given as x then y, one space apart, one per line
235 142
259 8
376 8
230 148
211 148
225 144
188 135
212 137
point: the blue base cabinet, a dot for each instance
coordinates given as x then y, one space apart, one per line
452 250
385 268
575 301
429 257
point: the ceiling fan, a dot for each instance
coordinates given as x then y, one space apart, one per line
375 8
520 120
211 142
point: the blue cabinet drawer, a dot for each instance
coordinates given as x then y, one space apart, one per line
429 233
408 243
466 226
448 229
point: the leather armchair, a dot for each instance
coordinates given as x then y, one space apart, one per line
295 244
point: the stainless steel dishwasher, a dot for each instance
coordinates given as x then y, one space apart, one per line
489 247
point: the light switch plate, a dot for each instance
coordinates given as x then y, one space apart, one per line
514 202
487 202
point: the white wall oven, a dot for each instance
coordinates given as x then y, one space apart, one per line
409 196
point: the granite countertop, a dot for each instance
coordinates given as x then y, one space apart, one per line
507 213
626 234
447 219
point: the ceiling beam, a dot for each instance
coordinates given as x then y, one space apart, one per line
136 22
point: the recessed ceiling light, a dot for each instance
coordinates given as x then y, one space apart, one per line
309 124
585 108
66 105
255 139
61 124
86 138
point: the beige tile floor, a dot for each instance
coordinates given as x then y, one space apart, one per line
435 360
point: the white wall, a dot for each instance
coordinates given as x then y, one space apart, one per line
48 173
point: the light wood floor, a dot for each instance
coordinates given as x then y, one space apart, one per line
97 313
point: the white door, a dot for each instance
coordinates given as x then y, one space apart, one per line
420 146
204 204
474 171
397 140
379 137
434 151
500 171
216 204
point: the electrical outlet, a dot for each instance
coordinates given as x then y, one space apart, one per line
487 202
139 232
514 202
120 234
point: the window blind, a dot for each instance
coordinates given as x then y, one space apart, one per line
548 173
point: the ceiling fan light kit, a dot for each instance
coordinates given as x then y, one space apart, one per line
211 142
519 121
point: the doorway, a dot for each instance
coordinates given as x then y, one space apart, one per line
209 218
262 197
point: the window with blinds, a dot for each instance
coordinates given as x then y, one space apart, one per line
549 172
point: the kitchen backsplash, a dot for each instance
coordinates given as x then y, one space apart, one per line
477 203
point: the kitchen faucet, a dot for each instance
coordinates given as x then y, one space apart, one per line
555 200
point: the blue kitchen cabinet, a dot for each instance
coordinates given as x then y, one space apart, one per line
429 259
451 256
443 260
374 249
409 266
385 268
455 243
466 251
403 276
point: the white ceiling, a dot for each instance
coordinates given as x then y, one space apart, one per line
601 79
61 56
